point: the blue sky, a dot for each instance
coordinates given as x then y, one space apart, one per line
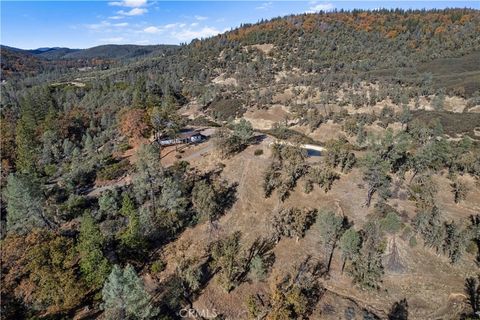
83 24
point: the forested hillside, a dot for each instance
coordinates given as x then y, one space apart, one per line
338 176
23 63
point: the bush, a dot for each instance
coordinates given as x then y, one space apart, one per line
225 109
50 169
74 206
124 146
258 270
258 152
158 266
113 171
412 242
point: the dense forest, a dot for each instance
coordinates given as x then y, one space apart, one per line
99 220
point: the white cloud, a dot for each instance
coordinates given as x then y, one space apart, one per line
98 26
170 25
187 34
160 29
129 3
320 7
152 30
201 18
104 25
265 5
181 31
133 12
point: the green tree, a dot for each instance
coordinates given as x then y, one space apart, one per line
52 271
226 260
244 131
26 142
140 93
429 224
24 204
131 238
376 175
172 197
391 223
293 222
422 190
350 243
367 268
205 202
472 289
405 115
438 102
93 265
125 297
455 242
258 268
225 142
323 176
148 176
107 203
460 190
339 154
331 228
159 121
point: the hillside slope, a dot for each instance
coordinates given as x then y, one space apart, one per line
380 219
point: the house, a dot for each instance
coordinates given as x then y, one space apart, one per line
183 137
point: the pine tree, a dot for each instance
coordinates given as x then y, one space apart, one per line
367 268
24 204
331 229
107 204
455 242
350 243
26 142
204 199
459 190
376 175
148 176
125 297
430 226
472 289
131 238
93 265
226 260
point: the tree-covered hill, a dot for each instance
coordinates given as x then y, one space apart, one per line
99 220
31 62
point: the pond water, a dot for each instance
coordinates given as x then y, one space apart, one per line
313 153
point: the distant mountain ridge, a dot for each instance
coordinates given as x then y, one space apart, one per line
109 51
16 60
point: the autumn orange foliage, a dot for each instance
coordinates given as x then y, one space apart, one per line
134 123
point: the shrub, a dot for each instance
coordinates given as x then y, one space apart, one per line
113 171
412 242
50 169
258 152
158 266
